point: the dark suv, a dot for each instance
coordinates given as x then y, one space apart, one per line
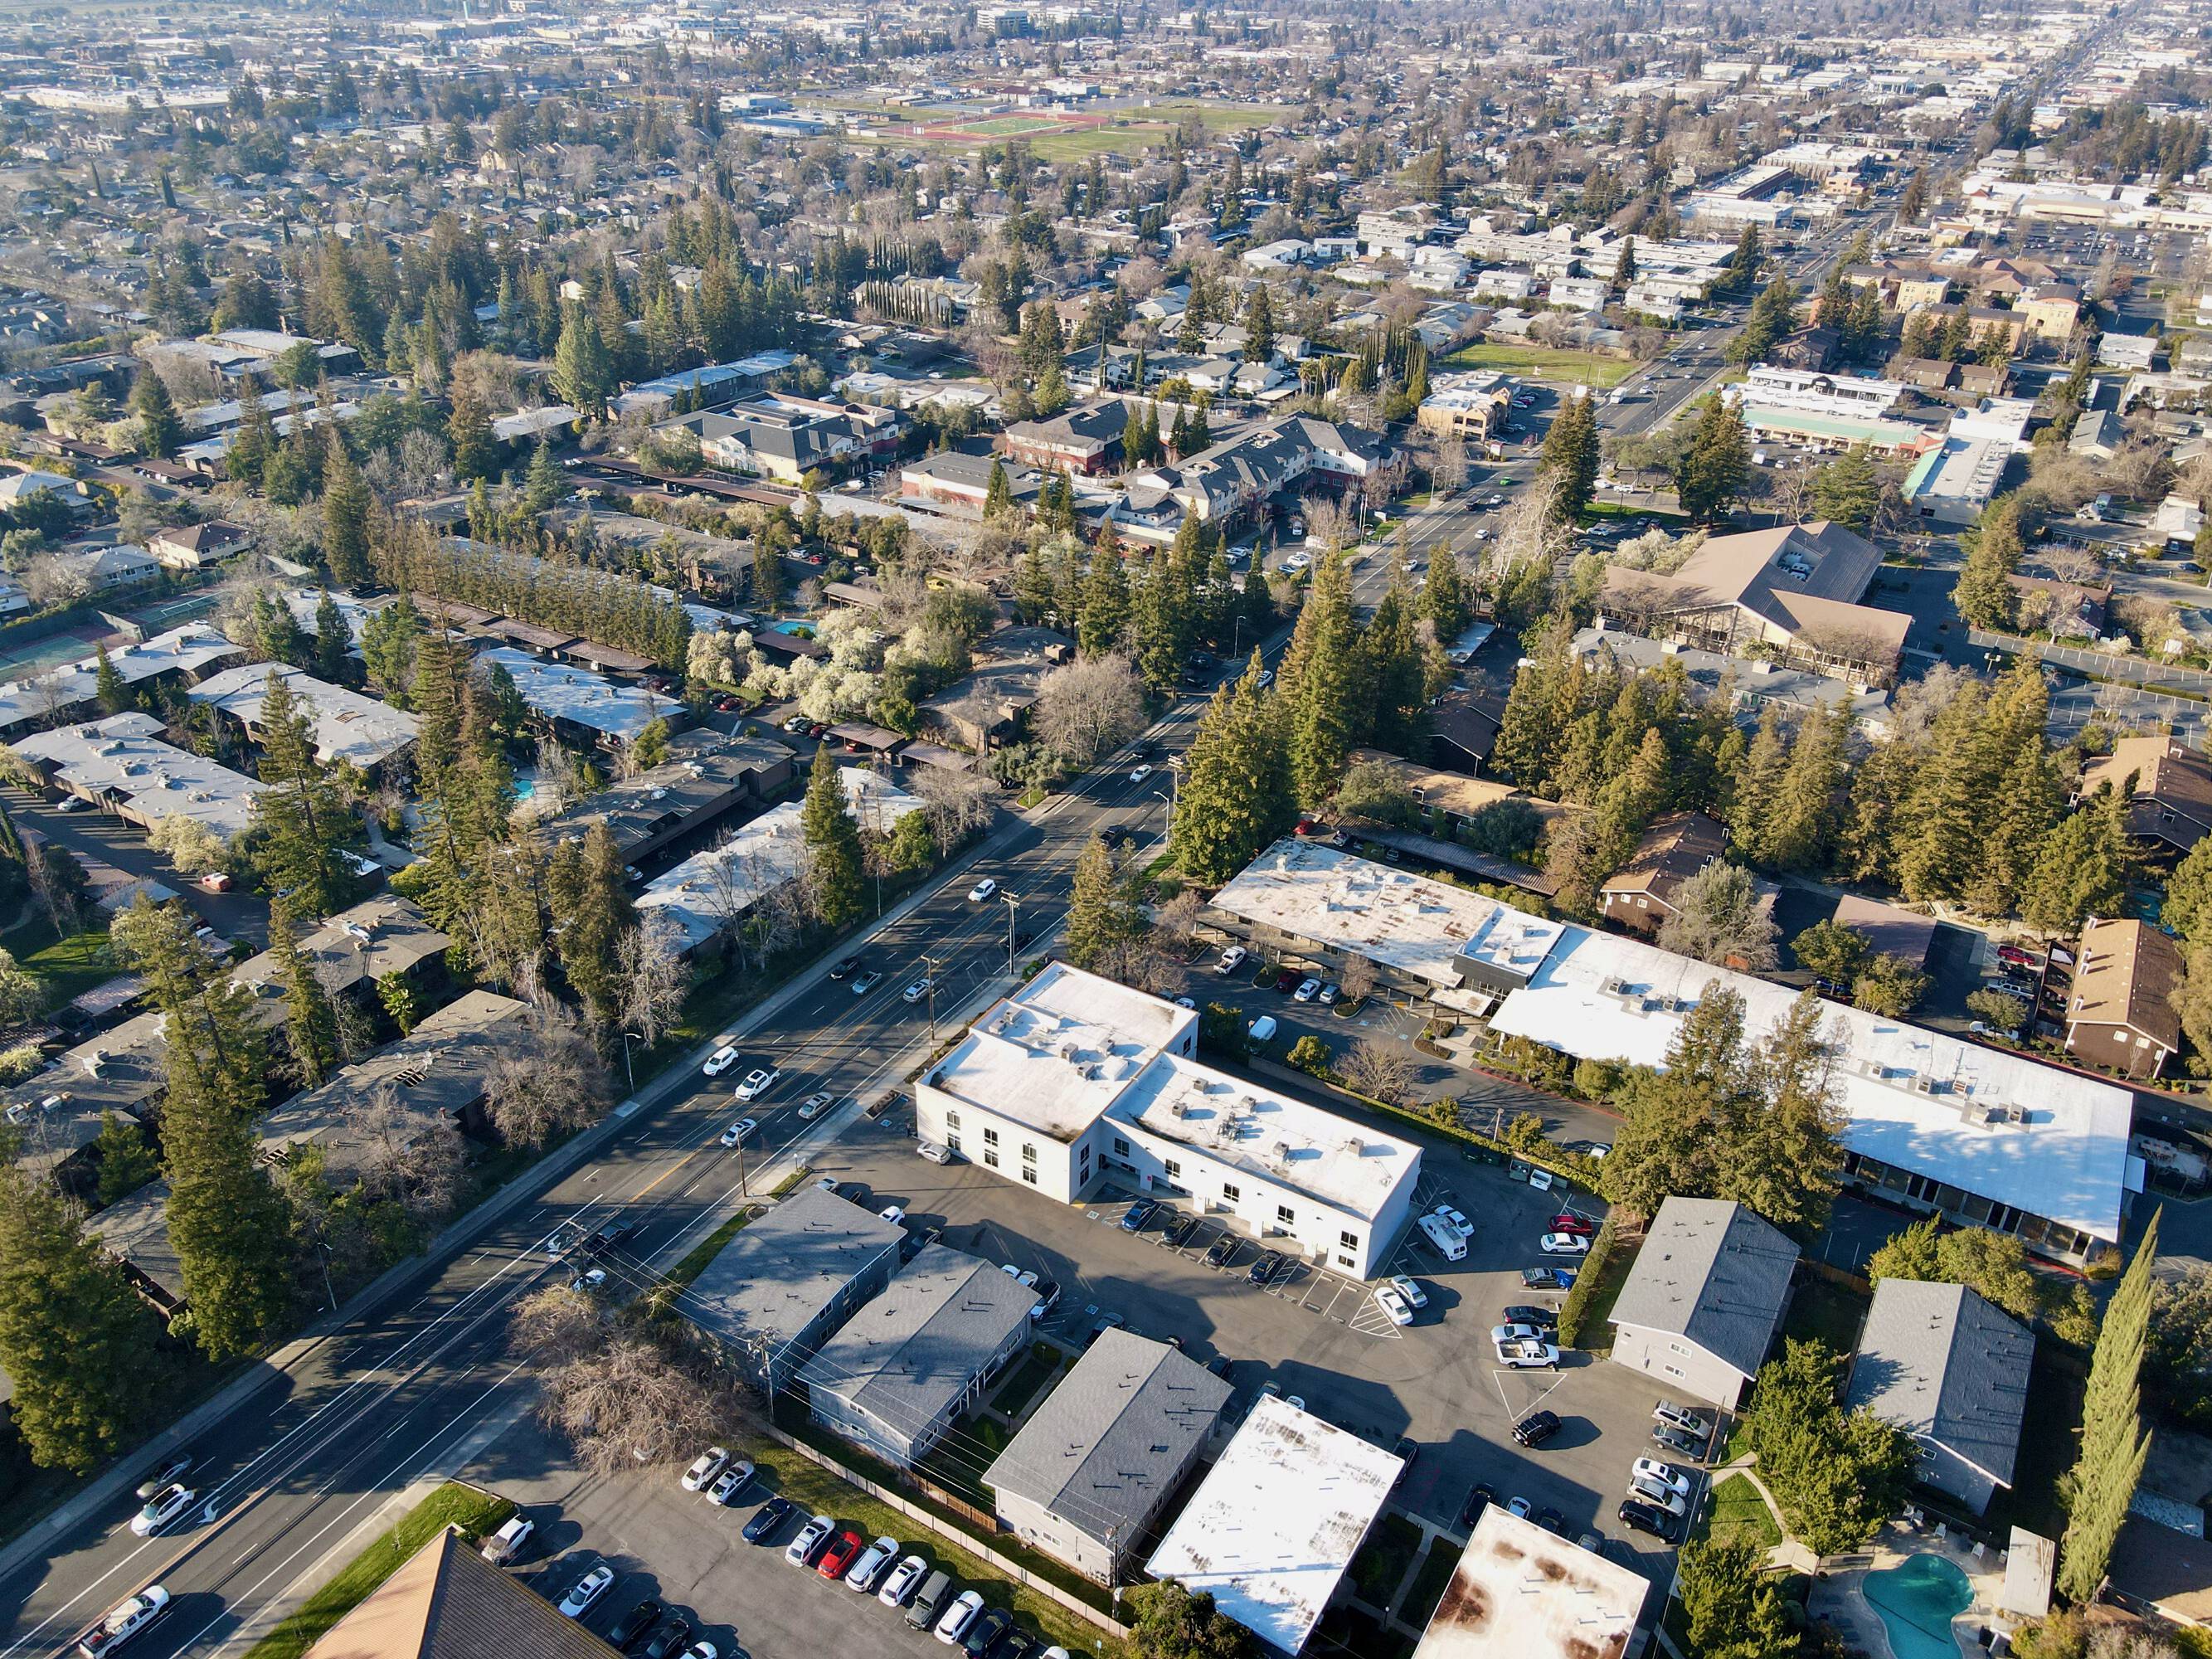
1647 1518
1534 1430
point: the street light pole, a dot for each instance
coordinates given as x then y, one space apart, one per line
1013 904
929 974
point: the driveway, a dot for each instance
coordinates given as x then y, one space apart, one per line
237 914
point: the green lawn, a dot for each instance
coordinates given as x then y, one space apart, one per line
1429 1582
1822 1310
818 1490
1582 368
1039 1368
1381 1565
1738 1511
476 1512
67 967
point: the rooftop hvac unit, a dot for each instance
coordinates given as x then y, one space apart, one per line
1174 1108
1282 1151
1923 1084
1616 987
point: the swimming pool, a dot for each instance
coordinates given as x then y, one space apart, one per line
798 630
524 788
1917 1599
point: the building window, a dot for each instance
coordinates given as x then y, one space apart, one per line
2120 1036
1676 1348
1028 1152
1121 1147
1350 1241
952 1143
952 1120
1232 1193
990 1160
1283 1214
1174 1168
1028 1174
1344 1261
1672 1371
990 1137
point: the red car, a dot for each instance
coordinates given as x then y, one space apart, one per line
840 1555
1287 980
1580 1226
2016 957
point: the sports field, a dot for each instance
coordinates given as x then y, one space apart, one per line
1064 135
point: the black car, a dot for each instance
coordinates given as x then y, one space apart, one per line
1534 1430
1107 1322
1471 1511
766 1519
1407 1450
1528 1313
1553 1522
1138 1214
1646 1517
1218 1252
1260 1271
671 1637
1219 1366
846 969
627 1630
990 1624
1016 1644
1181 1233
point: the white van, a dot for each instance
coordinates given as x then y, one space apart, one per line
1443 1239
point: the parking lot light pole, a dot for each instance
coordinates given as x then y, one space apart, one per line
1013 903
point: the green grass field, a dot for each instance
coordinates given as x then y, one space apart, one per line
1738 1511
1565 367
1129 132
68 967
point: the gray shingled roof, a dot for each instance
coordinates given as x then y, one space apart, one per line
773 1278
1124 1424
1713 1273
1941 1364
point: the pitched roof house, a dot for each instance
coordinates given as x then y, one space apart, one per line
2172 799
449 1602
1951 1370
2120 1012
1700 1306
1640 894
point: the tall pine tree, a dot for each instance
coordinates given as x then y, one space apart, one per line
1235 796
2114 1443
833 846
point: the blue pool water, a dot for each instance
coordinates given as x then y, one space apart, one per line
524 788
1917 1600
796 629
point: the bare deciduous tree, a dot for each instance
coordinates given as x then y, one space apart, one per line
546 1084
630 1401
956 803
1358 981
1176 918
654 976
418 1162
1087 708
1375 1069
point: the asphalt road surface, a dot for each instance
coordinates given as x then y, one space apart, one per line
285 1481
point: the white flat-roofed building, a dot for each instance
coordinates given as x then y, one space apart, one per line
348 726
1979 1134
1271 1529
121 765
1521 1592
1075 1082
711 892
58 694
1460 948
580 699
1814 393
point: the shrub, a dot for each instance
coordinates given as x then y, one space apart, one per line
1575 1308
1310 1054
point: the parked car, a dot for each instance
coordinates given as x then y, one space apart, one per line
936 1590
737 1134
811 1537
1669 1477
630 1627
588 1589
721 1060
1660 1497
1262 1029
732 1482
667 1639
1218 1252
1563 1245
1307 991
1642 1517
767 1518
983 1636
1547 1279
1567 1222
1264 1269
1534 1430
1287 980
1553 1522
902 1582
758 1082
1399 1309
1530 1313
1453 1220
704 1468
1048 1298
1414 1295
1479 1500
1527 1356
1138 1213
1674 1441
1232 959
1689 1421
873 1564
930 1152
507 1544
957 1617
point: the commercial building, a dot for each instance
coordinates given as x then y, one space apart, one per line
1520 1591
1699 1307
709 893
788 1279
1950 1370
1270 1531
1748 685
1085 1477
1086 440
1984 1135
1475 407
1811 393
904 1367
581 702
119 766
362 731
65 693
1075 1082
2120 1012
1791 592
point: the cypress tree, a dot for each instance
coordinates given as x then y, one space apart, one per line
543 484
998 493
108 685
1105 612
1570 456
1094 913
2114 1443
469 428
832 845
302 813
311 1023
1444 599
345 517
1324 702
1982 595
1235 794
77 1342
160 427
127 1161
333 642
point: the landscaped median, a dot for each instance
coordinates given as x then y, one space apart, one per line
476 1512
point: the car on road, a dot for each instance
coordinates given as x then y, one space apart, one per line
588 1590
732 1482
1643 1518
1568 1222
1674 1441
630 1627
957 1617
161 1509
1263 1029
1470 1511
840 1555
507 1544
590 1282
669 1637
1453 1220
987 888
168 1473
1265 1268
802 1550
721 1060
812 1107
1534 1430
1138 1214
1307 991
1689 1421
1140 774
1399 1309
1218 1252
1563 1245
704 1468
864 983
767 1518
735 1135
1232 959
123 1622
758 1082
846 969
1671 1479
1414 1295
903 1579
921 989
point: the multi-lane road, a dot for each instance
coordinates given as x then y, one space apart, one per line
412 1389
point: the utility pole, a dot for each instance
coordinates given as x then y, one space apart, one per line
929 978
1013 903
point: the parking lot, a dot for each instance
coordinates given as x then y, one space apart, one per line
1314 1334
